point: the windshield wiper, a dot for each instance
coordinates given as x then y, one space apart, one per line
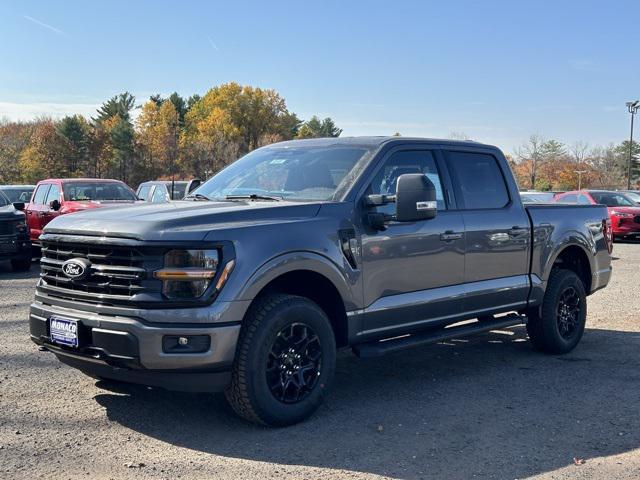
198 196
253 196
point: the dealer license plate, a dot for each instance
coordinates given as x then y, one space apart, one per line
63 331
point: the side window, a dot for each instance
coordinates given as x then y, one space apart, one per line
54 194
410 161
583 200
143 192
41 194
570 198
478 180
159 194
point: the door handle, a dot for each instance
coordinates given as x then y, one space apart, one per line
517 231
450 235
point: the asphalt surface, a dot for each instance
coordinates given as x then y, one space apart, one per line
484 407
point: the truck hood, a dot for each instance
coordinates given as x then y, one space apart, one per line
178 221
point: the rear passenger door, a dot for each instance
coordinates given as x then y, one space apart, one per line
497 233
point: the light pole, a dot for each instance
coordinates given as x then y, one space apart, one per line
580 172
633 109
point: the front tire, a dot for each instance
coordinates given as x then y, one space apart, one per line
285 361
558 325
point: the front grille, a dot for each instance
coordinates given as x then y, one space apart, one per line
117 273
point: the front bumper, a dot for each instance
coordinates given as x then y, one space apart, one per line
130 349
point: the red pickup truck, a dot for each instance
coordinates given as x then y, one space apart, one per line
55 197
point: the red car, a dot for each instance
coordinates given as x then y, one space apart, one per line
624 213
55 197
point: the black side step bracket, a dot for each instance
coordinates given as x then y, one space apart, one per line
378 348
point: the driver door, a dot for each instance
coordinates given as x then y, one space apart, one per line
412 271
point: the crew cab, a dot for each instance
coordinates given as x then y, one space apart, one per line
623 211
55 197
299 248
14 235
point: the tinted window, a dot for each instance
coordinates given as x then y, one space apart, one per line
41 193
415 161
54 194
85 191
612 199
179 190
143 191
4 201
18 194
478 180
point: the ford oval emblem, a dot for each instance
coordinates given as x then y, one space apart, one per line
76 268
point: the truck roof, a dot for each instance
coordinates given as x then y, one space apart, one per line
374 142
70 180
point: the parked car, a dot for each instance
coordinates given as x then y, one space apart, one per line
378 244
624 213
55 197
161 191
18 193
534 196
14 234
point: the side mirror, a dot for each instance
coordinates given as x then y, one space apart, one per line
18 206
415 198
55 205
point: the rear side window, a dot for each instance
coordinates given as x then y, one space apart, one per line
478 180
41 194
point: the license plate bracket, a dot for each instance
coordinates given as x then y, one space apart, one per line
63 331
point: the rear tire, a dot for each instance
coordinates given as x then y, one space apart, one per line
21 264
558 325
285 361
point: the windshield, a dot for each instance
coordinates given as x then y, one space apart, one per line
4 201
292 173
85 191
612 199
18 194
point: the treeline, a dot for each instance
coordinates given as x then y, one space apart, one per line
547 164
186 137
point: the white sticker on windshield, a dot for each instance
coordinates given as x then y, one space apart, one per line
277 161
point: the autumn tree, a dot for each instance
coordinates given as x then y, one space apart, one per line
531 155
14 138
158 127
44 156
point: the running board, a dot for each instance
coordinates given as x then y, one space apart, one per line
376 349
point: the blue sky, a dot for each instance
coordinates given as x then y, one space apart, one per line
495 70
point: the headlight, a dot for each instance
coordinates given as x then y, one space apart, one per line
187 273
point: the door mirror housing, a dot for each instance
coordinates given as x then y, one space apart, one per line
18 206
55 205
415 198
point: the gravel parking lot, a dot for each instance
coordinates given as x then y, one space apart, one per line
483 407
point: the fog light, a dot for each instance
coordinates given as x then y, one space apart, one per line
186 343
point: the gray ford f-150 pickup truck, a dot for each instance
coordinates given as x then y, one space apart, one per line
302 247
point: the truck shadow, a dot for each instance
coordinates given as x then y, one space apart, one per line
7 273
489 406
